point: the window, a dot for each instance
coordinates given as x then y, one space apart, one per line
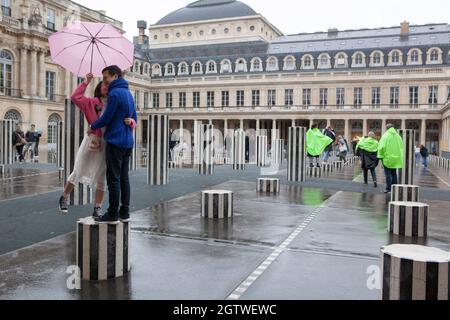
137 99
169 70
146 99
6 72
414 97
225 98
448 92
415 56
255 98
155 99
271 97
340 98
324 61
240 98
226 30
376 97
210 99
50 85
307 62
13 115
52 125
289 97
306 97
182 99
225 66
183 68
395 58
156 70
359 59
394 97
357 98
169 100
323 97
211 67
197 67
376 58
51 19
289 63
241 66
341 60
6 8
256 65
433 96
434 56
196 99
272 64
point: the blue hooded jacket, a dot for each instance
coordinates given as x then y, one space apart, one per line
120 106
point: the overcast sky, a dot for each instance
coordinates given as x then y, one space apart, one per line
294 16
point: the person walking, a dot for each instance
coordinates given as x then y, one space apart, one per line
367 150
343 149
32 138
417 154
329 132
18 140
425 154
390 151
119 144
316 142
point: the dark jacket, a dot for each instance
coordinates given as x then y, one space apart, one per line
369 160
120 106
424 152
17 137
332 135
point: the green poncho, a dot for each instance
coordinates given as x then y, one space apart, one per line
316 142
390 150
368 144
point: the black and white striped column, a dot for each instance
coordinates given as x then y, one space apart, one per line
158 149
206 149
277 151
337 164
408 219
7 128
239 150
406 175
314 172
75 128
134 157
268 185
261 151
406 193
103 250
296 170
327 167
412 272
217 204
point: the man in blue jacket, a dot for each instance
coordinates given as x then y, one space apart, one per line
119 144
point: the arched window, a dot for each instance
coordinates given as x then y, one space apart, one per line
395 57
434 56
6 72
256 64
289 63
13 115
170 70
225 66
182 68
414 56
156 71
341 60
197 67
359 59
212 67
324 61
241 65
146 69
52 124
307 62
272 64
376 58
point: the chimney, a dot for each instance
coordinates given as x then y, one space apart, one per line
333 32
142 25
404 29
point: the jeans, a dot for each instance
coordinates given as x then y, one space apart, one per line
327 155
391 178
366 175
425 162
20 152
117 166
342 156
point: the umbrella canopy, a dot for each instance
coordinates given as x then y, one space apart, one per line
86 47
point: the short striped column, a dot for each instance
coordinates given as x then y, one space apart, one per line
327 167
277 151
75 128
217 204
406 175
412 272
261 151
408 219
268 185
7 128
296 170
103 250
337 164
400 192
239 150
206 149
158 149
314 172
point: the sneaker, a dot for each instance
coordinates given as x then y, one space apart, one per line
97 212
125 218
387 191
107 218
63 206
375 185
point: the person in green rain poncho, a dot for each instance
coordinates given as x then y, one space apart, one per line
316 142
367 150
390 151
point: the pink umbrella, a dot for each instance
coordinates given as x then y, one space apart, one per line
86 47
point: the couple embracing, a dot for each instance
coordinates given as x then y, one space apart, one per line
104 154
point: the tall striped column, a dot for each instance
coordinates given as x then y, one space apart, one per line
158 149
412 272
206 149
75 128
239 150
261 151
277 151
134 158
60 145
297 154
7 128
406 175
103 250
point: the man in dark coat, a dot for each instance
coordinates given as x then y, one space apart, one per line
367 149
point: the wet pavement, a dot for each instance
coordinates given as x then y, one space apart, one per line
322 237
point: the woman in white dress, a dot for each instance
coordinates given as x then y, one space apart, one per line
90 162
